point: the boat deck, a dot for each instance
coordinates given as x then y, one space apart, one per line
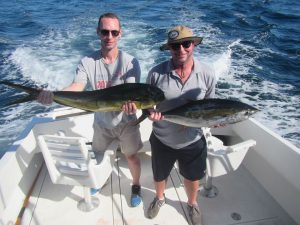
241 200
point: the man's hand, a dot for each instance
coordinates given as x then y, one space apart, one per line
45 97
155 116
129 108
219 126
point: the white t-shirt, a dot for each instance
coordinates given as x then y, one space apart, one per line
94 71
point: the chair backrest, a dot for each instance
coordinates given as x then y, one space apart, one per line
69 161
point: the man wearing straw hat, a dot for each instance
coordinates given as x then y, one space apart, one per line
183 79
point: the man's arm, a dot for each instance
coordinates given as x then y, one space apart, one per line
75 87
129 107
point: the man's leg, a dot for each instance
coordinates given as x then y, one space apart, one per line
160 189
162 164
130 143
134 165
191 188
192 164
159 199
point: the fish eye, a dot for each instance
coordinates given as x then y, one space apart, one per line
248 113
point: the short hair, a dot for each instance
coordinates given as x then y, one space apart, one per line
108 15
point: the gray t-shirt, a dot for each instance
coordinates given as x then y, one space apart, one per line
100 75
200 85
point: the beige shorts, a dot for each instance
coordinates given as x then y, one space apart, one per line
128 135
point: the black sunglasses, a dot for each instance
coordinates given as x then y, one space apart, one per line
114 33
185 44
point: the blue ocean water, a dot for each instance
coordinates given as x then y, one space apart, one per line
254 46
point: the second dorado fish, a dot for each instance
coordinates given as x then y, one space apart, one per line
207 113
104 100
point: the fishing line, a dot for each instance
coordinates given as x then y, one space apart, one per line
186 217
112 199
120 192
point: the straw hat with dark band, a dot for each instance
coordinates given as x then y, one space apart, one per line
180 34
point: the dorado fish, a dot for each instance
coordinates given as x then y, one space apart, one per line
207 113
104 100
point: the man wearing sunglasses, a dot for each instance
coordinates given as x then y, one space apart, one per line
107 67
182 78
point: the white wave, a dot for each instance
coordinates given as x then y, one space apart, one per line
222 63
30 66
279 110
133 42
48 60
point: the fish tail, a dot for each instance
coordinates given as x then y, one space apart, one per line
33 93
145 114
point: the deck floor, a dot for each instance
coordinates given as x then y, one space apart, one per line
239 192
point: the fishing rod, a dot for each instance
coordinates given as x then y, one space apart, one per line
26 200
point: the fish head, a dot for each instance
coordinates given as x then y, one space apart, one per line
249 112
244 111
228 111
155 94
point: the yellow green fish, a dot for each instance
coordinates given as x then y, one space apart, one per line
109 99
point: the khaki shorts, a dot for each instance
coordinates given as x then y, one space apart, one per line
128 135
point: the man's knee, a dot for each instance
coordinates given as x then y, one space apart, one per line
133 158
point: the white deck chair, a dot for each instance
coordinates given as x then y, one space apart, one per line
70 162
222 159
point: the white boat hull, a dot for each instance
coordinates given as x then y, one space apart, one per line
273 164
